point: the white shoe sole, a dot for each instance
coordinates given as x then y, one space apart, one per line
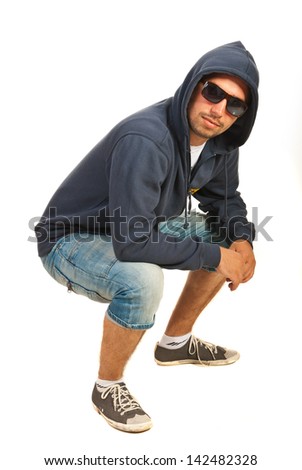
218 362
133 428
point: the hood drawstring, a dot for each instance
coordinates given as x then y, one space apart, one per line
226 216
188 194
188 207
186 223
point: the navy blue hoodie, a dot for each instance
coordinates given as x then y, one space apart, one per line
140 174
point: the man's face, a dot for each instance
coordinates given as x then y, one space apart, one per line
206 119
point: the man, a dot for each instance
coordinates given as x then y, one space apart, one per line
122 215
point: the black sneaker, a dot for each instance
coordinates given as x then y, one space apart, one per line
120 409
195 351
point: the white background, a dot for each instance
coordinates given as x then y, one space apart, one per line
70 70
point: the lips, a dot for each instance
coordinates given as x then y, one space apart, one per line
210 122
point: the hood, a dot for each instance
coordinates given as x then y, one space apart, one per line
232 59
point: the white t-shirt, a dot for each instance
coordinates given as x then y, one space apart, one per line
195 152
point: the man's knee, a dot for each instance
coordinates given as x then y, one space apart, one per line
151 283
136 302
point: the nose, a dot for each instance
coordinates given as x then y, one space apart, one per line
218 109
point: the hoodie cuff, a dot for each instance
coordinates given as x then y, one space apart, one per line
212 256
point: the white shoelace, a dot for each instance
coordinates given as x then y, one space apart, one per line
193 347
122 399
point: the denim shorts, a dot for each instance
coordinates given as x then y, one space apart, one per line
86 264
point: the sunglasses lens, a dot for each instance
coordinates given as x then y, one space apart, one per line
236 107
212 92
215 94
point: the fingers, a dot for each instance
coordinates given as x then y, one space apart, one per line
248 274
233 285
231 266
250 265
244 248
237 264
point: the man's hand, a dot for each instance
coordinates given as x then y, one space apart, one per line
245 249
237 263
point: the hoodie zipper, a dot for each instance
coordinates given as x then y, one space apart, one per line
188 178
189 192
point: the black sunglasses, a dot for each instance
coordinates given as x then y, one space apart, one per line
215 94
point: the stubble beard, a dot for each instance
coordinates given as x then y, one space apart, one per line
203 133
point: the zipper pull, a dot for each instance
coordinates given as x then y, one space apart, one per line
69 287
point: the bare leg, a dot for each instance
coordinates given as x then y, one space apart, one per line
118 344
200 288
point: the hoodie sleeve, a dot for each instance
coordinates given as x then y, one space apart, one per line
222 200
137 173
